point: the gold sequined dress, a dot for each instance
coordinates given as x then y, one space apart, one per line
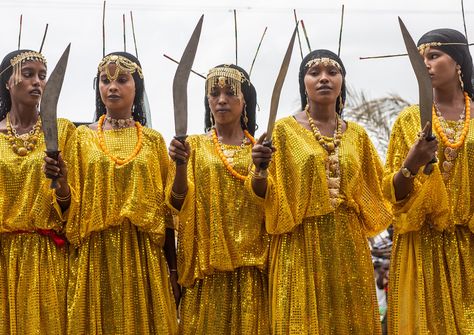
119 282
321 274
431 285
222 246
33 269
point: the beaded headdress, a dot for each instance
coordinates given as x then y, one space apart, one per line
121 64
325 61
17 61
225 76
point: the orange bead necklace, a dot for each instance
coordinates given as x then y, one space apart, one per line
118 161
439 129
223 157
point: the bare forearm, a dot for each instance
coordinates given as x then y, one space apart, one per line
259 183
180 186
402 185
170 250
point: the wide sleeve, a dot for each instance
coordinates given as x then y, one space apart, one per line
375 210
428 201
67 132
297 185
73 159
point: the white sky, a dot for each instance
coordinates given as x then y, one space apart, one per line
370 28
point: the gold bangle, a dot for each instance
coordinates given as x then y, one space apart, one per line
178 196
63 199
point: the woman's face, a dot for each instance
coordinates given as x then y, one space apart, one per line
225 105
30 89
441 67
118 94
323 83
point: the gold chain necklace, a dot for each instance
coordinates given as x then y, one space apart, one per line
119 123
24 143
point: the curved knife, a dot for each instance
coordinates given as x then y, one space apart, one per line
277 92
424 87
180 85
48 109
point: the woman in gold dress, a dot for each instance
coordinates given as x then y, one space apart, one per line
431 285
323 199
33 253
120 281
222 244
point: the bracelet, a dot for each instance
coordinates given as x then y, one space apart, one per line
178 196
173 270
63 199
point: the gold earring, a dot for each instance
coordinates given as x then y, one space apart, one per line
460 79
246 119
341 104
213 122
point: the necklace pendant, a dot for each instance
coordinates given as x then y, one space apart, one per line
445 175
330 146
450 154
229 153
447 166
22 151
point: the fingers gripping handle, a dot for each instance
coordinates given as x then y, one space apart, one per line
264 165
182 139
54 182
429 167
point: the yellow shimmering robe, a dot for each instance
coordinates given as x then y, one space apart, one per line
222 246
33 270
321 274
119 281
431 286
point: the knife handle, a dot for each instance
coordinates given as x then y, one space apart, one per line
429 167
182 139
268 144
54 182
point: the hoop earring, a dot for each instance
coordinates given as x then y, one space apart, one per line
460 79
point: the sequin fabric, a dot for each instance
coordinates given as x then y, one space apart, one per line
33 270
321 274
222 246
119 281
432 265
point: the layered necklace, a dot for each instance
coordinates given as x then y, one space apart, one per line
331 145
452 137
24 143
227 155
119 161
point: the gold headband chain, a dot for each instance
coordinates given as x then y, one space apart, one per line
325 61
225 76
17 61
425 47
122 64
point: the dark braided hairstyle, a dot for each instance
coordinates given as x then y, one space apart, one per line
138 112
250 97
6 71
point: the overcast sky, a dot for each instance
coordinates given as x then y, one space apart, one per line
370 28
